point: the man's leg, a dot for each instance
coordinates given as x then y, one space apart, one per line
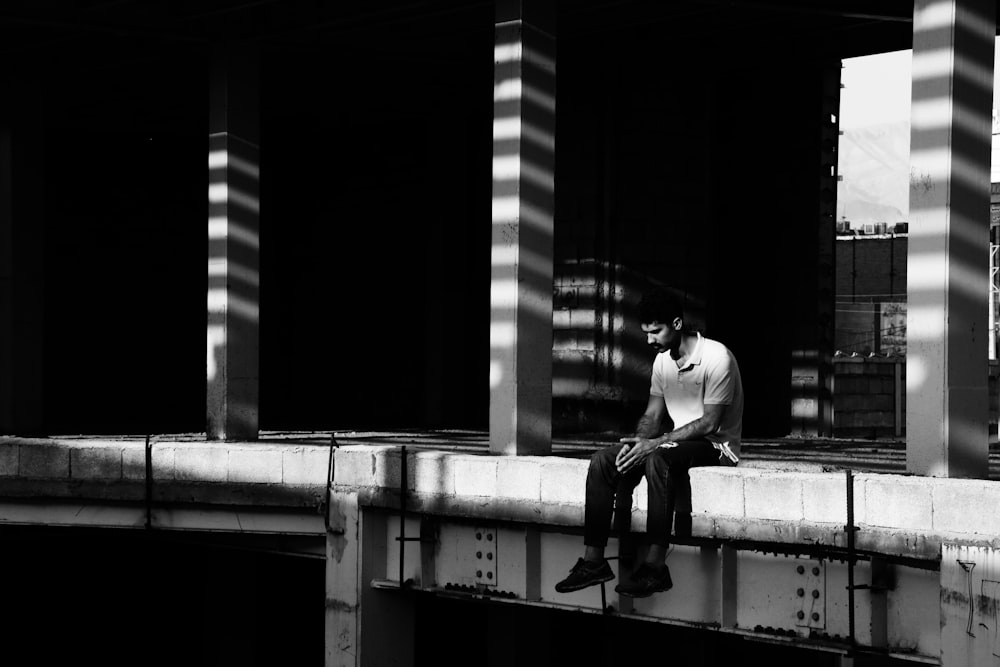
605 487
681 482
664 468
607 491
670 488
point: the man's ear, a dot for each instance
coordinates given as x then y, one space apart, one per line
678 324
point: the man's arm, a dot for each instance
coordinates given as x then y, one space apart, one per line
651 420
636 449
647 429
707 424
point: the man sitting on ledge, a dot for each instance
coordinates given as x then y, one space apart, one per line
696 383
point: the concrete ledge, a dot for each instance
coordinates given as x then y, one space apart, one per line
895 502
216 473
208 462
900 515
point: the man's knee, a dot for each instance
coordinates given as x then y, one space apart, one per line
657 465
604 459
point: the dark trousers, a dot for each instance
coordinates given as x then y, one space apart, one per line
668 490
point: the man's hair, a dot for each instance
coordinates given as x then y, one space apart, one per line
660 306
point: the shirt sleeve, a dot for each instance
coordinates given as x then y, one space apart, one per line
656 381
720 385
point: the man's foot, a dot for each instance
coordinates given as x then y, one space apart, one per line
648 579
585 573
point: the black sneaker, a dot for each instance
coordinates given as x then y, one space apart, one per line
585 573
648 579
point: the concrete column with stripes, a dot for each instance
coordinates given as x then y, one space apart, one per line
233 244
524 109
948 254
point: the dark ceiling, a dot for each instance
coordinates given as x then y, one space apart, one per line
101 62
36 28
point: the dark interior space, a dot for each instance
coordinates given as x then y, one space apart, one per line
108 597
375 209
687 154
124 208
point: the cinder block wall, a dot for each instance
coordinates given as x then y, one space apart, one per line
864 397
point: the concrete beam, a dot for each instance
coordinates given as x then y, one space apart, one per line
523 213
233 245
948 258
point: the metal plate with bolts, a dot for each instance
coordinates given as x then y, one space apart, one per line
485 561
810 590
781 593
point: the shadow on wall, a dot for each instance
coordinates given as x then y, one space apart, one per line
948 282
601 363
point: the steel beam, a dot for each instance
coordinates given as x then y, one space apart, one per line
948 261
522 222
233 245
766 596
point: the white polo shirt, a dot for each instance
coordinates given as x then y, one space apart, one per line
710 377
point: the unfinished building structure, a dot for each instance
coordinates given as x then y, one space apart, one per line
433 220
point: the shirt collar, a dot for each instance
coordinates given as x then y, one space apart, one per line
695 357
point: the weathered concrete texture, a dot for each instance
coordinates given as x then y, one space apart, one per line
207 464
343 561
360 465
965 506
304 465
476 476
519 478
8 459
43 461
255 467
563 481
913 508
894 501
96 463
247 473
134 461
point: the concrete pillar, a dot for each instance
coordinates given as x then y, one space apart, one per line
812 358
948 257
364 626
22 260
233 244
523 213
343 581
